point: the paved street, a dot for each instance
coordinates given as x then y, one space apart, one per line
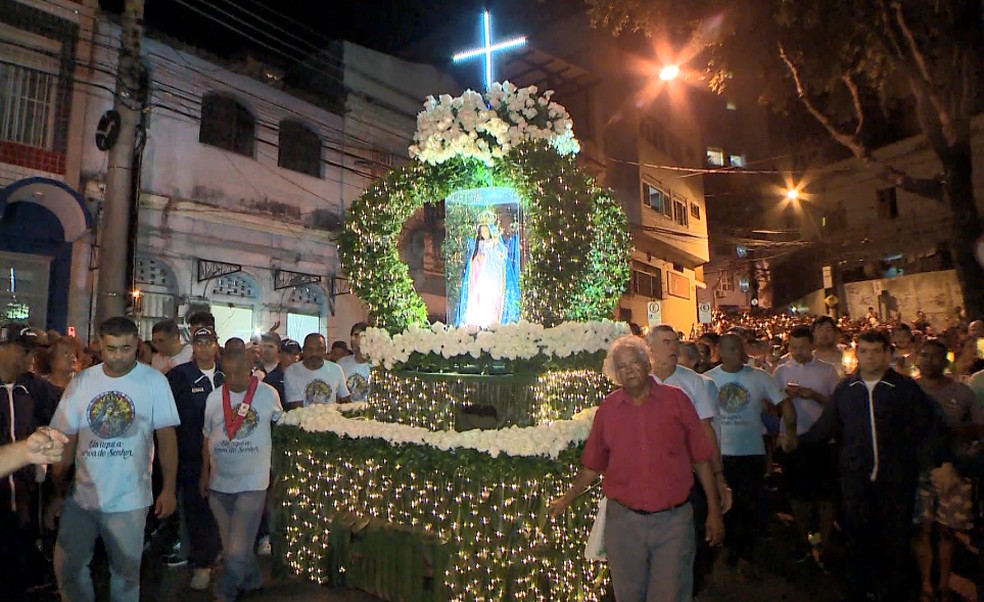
781 579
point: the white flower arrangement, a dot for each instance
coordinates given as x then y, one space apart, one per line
518 341
546 440
486 127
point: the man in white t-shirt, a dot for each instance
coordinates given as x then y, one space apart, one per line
171 351
664 346
356 366
236 468
742 390
111 413
314 379
810 474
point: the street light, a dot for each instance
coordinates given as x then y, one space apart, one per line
669 72
792 194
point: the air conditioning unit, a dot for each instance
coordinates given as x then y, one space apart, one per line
720 294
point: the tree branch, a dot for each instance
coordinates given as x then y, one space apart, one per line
925 187
856 99
920 61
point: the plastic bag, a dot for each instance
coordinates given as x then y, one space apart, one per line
595 549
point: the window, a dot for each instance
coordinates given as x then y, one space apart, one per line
228 125
232 321
655 198
836 219
726 282
680 212
300 149
888 203
715 156
27 103
737 160
647 280
301 325
731 106
695 210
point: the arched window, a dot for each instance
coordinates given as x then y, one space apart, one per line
300 148
227 124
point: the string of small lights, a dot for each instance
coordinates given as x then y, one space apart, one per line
431 401
491 513
577 237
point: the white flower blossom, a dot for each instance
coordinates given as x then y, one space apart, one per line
488 127
545 440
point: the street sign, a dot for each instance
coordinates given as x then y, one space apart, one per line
655 311
704 313
828 277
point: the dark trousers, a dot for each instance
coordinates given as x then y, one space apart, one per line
746 477
878 527
16 545
704 559
203 534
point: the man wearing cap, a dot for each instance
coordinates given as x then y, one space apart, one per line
289 354
18 419
191 383
111 413
356 366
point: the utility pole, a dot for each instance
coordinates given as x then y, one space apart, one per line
112 282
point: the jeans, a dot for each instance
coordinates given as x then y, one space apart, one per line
238 517
651 557
122 534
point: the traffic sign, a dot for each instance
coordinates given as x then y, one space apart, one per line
704 313
655 310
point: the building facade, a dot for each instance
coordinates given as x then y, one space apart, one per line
241 182
46 223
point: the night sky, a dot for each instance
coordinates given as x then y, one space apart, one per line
425 31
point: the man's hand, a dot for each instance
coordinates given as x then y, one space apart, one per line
166 504
559 505
945 477
725 494
45 446
203 485
714 529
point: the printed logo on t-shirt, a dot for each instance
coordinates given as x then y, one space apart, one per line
110 414
318 391
733 398
358 387
248 425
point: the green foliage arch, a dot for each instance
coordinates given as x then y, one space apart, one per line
577 236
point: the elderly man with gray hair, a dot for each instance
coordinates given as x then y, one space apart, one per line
648 442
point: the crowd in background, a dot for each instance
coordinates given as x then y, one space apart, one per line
880 463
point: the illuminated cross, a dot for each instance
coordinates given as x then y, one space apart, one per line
488 48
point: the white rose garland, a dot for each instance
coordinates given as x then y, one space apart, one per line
488 127
546 440
519 341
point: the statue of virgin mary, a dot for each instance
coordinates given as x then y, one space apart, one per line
490 283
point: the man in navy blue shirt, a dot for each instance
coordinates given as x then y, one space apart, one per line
191 384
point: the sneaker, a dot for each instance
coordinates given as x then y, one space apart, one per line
200 579
264 548
801 558
175 560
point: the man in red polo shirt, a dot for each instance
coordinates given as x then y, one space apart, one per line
647 441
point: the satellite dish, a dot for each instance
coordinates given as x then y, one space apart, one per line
108 130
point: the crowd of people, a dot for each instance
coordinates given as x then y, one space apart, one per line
126 440
873 430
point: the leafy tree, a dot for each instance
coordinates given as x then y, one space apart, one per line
851 63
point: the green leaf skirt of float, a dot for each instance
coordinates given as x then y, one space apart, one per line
416 523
